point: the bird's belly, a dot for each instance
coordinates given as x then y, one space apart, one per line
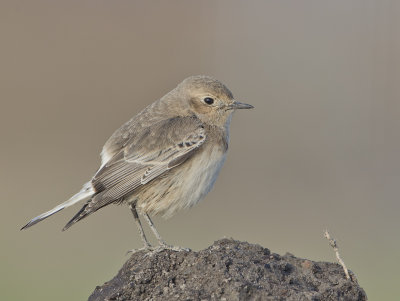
186 185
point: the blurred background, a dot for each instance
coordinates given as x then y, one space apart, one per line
320 150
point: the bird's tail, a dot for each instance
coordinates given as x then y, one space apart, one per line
86 192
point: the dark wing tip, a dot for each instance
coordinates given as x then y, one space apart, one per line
77 217
70 223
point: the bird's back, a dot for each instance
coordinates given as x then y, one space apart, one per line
133 129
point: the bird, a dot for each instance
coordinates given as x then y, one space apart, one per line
164 159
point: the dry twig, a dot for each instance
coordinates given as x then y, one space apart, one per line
333 244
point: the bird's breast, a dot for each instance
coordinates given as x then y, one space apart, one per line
202 174
186 184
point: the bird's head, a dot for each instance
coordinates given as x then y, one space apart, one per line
209 99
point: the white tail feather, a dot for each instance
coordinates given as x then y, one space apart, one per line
85 193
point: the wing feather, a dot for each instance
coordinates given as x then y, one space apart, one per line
162 147
165 146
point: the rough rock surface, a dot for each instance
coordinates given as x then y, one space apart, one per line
228 270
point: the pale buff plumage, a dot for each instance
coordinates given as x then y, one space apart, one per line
191 181
165 158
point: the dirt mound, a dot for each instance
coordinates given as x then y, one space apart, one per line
228 270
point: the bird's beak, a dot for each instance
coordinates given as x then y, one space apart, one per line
239 105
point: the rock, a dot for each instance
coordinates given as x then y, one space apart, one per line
228 270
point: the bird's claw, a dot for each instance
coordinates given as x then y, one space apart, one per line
163 247
148 248
173 248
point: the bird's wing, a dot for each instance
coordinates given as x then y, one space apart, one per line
159 148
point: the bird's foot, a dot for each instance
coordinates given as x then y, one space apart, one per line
164 246
172 248
147 248
150 250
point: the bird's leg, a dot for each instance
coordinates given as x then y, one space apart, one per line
153 228
140 228
163 244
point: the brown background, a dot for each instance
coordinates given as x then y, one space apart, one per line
321 149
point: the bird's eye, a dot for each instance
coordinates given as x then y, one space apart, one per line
208 100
